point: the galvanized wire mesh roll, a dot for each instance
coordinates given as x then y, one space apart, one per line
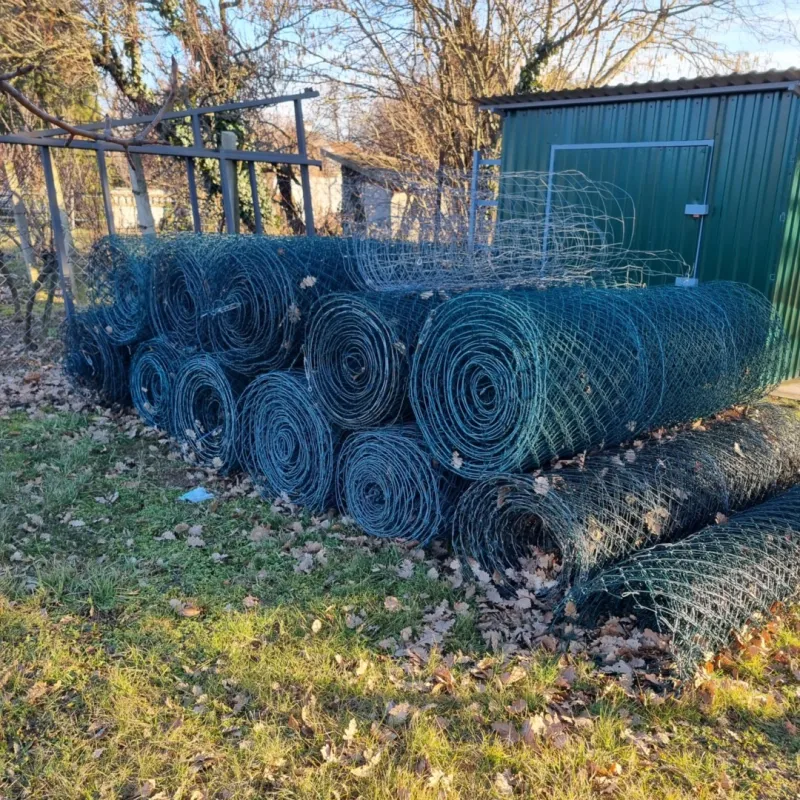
390 485
263 289
704 588
118 277
358 355
180 292
204 416
152 377
287 445
92 361
616 503
504 381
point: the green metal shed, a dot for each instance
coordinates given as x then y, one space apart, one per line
710 163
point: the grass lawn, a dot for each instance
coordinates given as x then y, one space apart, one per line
154 649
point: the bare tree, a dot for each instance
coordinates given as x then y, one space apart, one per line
420 63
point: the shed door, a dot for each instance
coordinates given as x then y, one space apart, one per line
657 181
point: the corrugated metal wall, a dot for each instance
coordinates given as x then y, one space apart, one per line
751 233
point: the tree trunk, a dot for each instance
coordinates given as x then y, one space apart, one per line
144 214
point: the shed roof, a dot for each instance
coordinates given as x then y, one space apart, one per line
651 90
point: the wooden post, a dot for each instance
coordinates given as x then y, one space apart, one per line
305 180
20 212
230 189
59 234
106 190
144 214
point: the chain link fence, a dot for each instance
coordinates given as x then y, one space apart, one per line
31 295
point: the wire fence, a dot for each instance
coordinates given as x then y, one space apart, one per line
704 589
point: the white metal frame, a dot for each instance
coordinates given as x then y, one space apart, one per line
555 148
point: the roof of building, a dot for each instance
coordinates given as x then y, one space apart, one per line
714 84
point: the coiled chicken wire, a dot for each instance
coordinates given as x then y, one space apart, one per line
601 510
203 414
390 485
358 354
92 361
152 377
702 590
508 381
533 229
286 444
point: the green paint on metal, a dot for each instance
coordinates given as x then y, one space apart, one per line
752 231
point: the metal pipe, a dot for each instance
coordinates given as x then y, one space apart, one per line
305 179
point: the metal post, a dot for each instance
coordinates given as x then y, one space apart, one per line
106 190
308 208
227 169
59 234
251 171
473 201
197 223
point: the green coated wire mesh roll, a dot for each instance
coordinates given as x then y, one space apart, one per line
358 354
508 381
286 444
92 361
599 512
701 590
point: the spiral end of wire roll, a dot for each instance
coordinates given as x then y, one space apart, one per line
287 445
179 280
358 352
94 363
393 488
203 416
152 377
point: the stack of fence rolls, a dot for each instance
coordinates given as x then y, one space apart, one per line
422 414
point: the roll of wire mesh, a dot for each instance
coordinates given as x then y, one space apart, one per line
94 363
508 381
118 277
263 290
614 503
180 292
152 377
703 588
203 416
388 482
358 354
287 445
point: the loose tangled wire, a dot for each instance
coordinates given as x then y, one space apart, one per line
152 377
92 361
358 353
287 445
390 485
703 588
538 229
601 511
503 382
203 415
